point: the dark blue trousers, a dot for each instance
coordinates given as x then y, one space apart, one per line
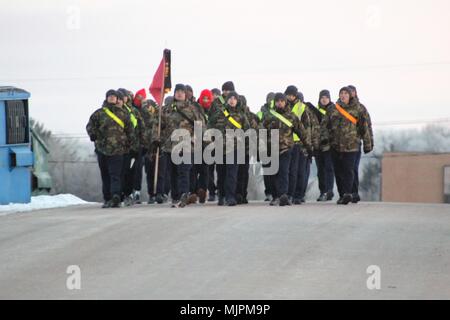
325 172
111 173
355 187
180 178
227 175
344 170
302 176
282 177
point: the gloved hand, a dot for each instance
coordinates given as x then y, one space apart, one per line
156 144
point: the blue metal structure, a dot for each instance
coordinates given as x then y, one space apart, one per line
16 157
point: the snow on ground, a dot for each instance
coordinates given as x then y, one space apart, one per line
42 202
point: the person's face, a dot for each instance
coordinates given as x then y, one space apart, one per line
291 97
344 96
180 95
226 93
189 94
353 93
205 100
232 101
324 100
120 102
139 97
111 99
216 95
280 104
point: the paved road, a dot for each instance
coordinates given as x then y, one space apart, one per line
314 251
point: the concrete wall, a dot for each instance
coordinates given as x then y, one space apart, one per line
413 177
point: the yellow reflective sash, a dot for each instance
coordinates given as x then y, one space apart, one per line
132 117
322 111
232 120
114 117
299 110
259 114
281 118
286 122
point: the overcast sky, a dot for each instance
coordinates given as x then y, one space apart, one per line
69 53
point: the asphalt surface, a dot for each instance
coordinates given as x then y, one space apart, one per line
313 251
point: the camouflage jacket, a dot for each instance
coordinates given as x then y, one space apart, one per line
109 136
303 113
149 115
315 126
139 130
368 120
178 115
340 133
286 133
218 120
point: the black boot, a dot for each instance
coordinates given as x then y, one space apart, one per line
115 201
346 199
159 198
356 198
239 199
184 201
275 202
284 201
106 204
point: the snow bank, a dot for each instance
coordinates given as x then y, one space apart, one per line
42 202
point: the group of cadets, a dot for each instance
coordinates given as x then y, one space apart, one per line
130 135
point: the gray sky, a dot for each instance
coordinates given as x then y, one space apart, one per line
69 53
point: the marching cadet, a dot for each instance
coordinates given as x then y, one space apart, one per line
268 179
212 188
283 119
301 152
200 171
217 106
355 194
315 140
111 130
149 112
132 161
181 114
216 93
190 94
343 128
228 114
324 163
243 174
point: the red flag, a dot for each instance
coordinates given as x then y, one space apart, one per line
161 83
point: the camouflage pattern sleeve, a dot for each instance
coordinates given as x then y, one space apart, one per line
324 133
143 138
303 133
92 126
315 130
366 116
364 131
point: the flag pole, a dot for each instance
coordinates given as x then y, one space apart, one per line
155 179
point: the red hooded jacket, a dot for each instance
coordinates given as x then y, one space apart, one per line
138 102
206 93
